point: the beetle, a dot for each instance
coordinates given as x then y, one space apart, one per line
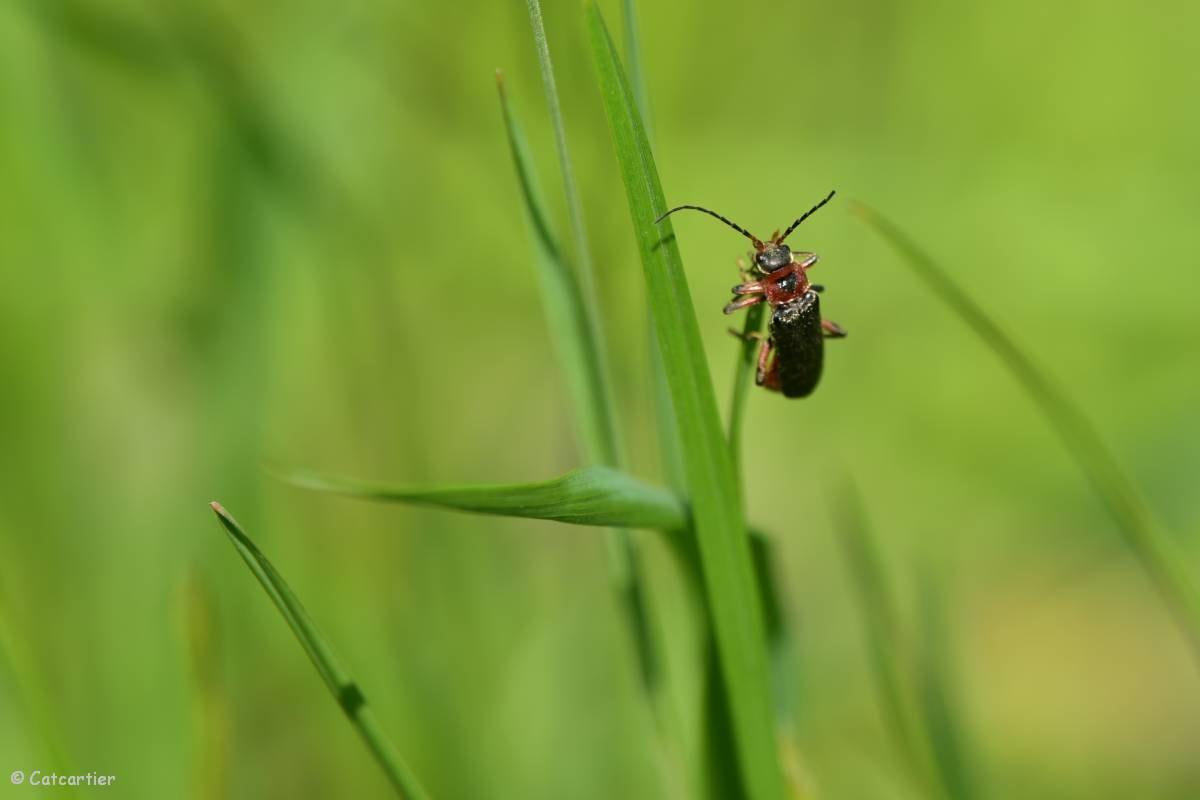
797 332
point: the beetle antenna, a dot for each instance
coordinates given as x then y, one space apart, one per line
757 242
807 214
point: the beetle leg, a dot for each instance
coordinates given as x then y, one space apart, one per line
746 272
747 337
767 376
832 329
816 287
750 287
742 302
804 260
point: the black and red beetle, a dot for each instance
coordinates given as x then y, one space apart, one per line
797 331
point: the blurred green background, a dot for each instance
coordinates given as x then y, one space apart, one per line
233 234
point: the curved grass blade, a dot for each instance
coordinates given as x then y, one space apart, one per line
571 319
590 496
727 568
1167 568
343 689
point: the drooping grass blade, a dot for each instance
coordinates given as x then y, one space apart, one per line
341 686
589 496
1158 554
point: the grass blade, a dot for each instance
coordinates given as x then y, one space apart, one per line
575 329
589 496
1158 554
343 689
890 664
727 568
746 362
633 65
572 327
664 413
570 190
935 692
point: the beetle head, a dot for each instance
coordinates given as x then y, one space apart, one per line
773 257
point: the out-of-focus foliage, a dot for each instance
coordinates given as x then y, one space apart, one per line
232 233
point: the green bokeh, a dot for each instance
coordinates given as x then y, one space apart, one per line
232 234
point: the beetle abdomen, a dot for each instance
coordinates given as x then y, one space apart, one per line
799 344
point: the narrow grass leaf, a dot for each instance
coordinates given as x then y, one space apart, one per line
624 551
1159 555
767 569
936 694
667 427
575 329
343 689
571 327
570 190
633 64
727 567
589 496
890 663
746 363
664 413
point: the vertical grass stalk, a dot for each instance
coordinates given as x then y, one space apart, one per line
570 300
729 579
743 367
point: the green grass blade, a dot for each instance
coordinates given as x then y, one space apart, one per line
633 65
935 692
590 496
746 364
1157 553
571 321
720 774
889 661
575 329
723 546
343 689
570 190
666 428
778 642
